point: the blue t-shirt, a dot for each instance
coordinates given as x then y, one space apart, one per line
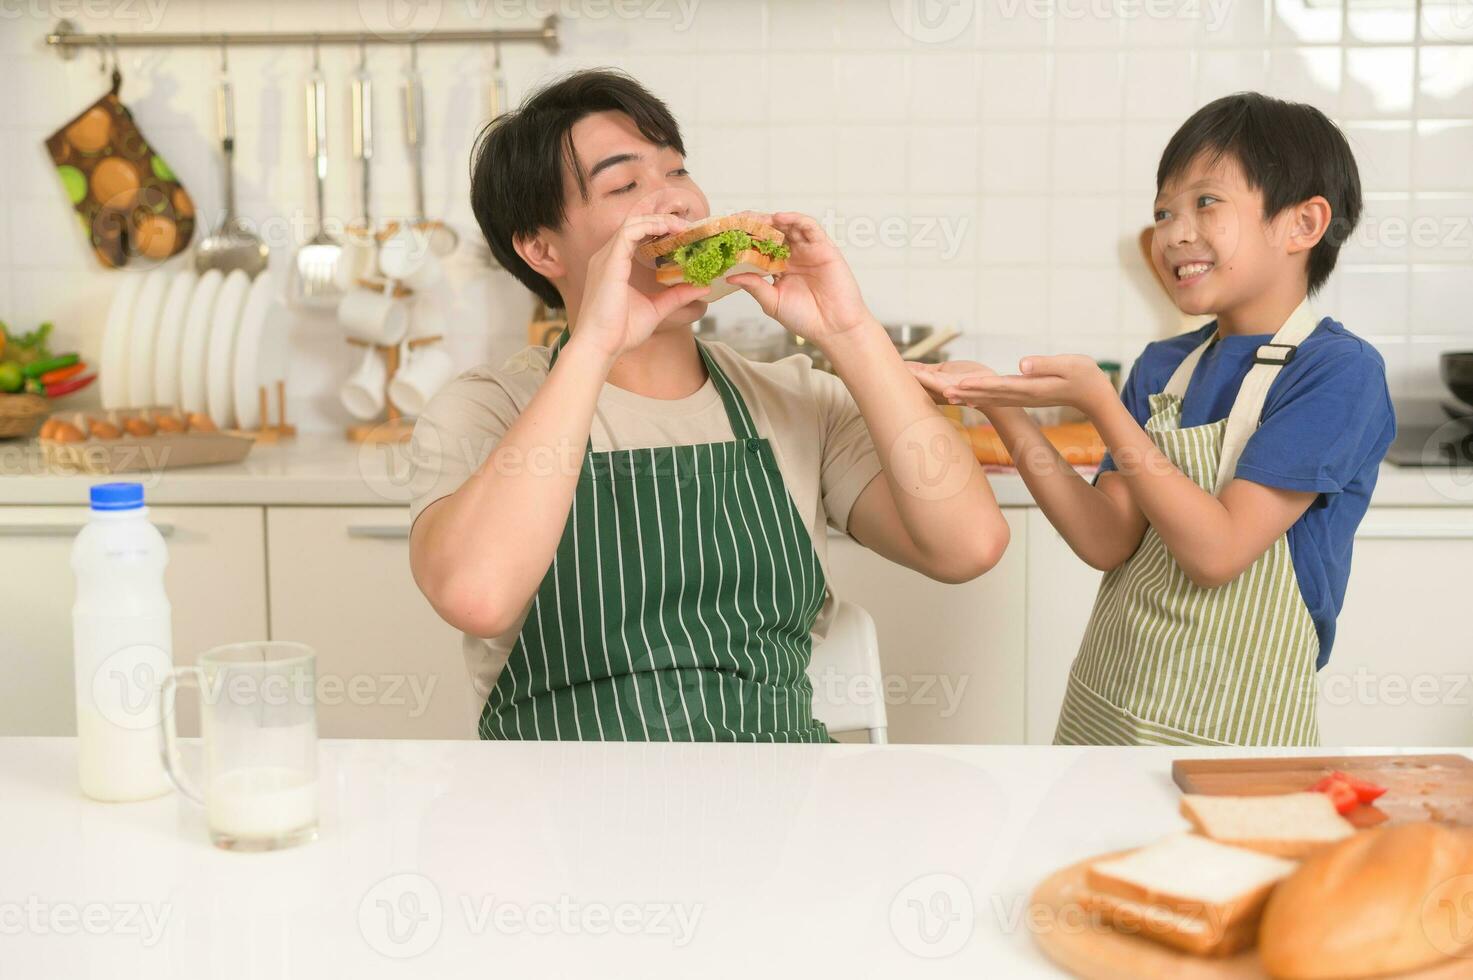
1325 427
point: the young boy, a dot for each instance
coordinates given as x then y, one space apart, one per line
1242 455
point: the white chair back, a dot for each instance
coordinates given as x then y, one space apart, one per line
848 685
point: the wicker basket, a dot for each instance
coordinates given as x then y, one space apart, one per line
21 415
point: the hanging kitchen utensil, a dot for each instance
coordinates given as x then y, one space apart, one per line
359 257
497 103
130 202
233 245
363 129
313 283
440 237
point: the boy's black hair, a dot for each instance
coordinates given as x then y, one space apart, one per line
517 163
1288 150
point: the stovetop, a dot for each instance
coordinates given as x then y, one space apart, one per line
1432 432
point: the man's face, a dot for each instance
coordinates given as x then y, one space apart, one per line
1211 245
623 174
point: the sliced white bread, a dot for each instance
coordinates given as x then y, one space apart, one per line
1291 825
1388 901
1187 891
748 221
749 261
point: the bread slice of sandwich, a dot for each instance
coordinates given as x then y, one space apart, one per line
1187 892
1292 825
709 251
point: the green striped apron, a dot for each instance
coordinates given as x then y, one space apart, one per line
679 606
1167 662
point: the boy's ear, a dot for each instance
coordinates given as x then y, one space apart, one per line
540 254
1307 223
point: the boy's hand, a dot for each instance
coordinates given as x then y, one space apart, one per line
1068 379
941 379
817 297
616 317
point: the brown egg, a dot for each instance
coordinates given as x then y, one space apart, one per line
48 428
115 183
155 236
66 432
103 429
90 132
138 427
200 422
169 423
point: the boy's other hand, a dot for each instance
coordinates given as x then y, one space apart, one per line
616 317
1072 380
939 379
817 297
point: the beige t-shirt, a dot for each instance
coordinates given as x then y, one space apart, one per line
821 442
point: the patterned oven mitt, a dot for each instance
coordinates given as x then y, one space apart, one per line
130 202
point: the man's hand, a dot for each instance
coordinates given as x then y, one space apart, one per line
939 379
1072 380
817 297
616 317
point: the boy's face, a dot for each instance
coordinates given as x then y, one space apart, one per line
1211 245
624 174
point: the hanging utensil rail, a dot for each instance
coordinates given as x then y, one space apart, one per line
67 40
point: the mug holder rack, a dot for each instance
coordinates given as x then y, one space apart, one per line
395 427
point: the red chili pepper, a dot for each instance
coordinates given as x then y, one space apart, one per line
62 373
68 386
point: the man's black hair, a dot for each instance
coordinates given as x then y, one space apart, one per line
517 164
1288 150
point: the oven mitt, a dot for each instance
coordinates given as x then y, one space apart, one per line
130 202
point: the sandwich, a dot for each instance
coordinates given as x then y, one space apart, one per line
1292 825
710 251
1388 901
1186 891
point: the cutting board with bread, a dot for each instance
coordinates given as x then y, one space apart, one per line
1292 877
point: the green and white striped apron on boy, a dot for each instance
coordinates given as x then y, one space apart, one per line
680 603
1167 662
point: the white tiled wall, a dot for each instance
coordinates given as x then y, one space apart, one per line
985 165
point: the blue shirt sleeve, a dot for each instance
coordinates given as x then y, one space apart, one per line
1321 425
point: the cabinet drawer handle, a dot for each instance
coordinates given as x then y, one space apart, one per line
59 530
1430 532
381 531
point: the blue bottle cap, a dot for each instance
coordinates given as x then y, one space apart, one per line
117 496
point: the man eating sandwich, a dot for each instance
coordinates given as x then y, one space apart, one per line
629 526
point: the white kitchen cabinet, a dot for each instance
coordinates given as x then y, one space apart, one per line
387 665
216 582
1061 595
953 655
1401 671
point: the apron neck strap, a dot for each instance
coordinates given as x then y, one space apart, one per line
1268 360
742 426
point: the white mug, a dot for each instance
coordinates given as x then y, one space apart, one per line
356 260
408 255
421 373
374 317
363 393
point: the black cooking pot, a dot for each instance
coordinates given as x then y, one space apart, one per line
1457 373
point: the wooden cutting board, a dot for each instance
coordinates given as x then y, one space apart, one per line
1086 946
1418 787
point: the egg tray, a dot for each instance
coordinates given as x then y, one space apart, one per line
129 452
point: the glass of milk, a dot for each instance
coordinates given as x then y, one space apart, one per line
258 726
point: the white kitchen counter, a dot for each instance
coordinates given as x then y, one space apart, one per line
325 469
470 859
